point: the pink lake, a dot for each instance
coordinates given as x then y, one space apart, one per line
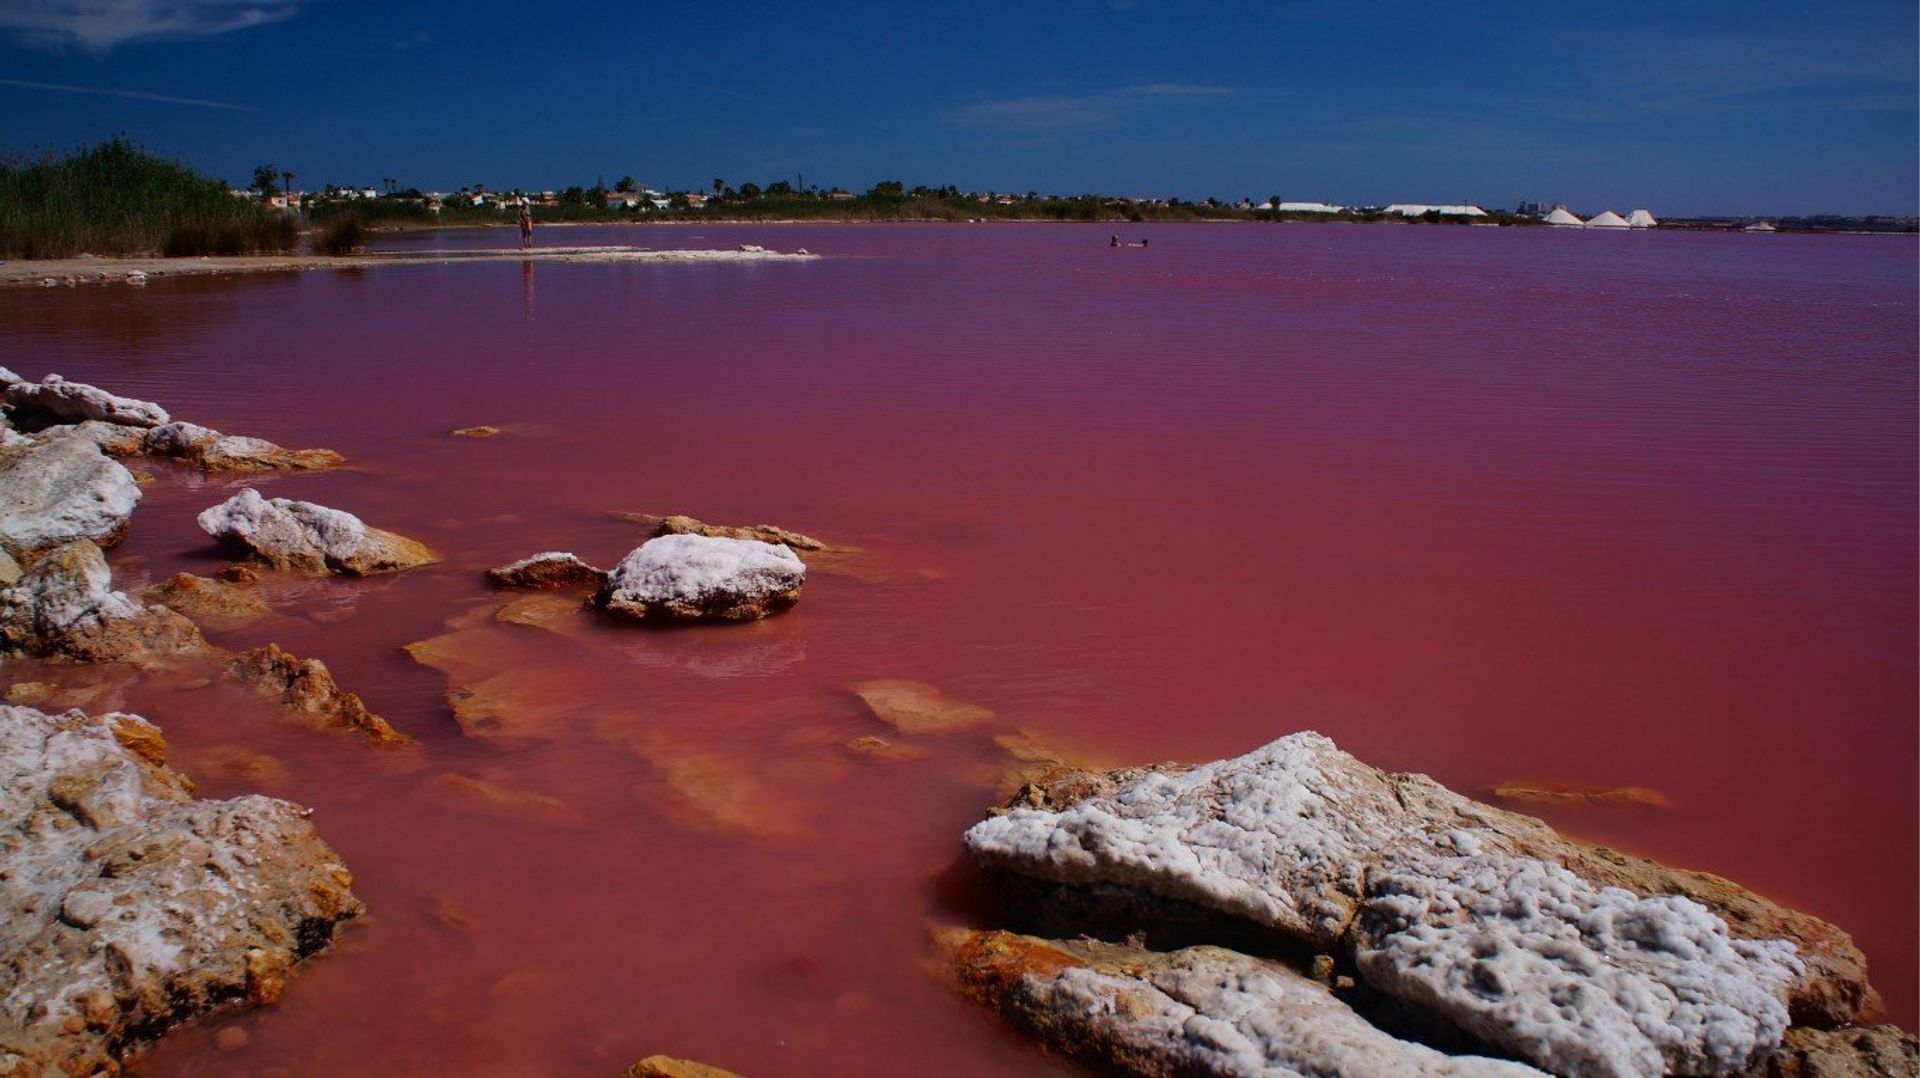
1628 509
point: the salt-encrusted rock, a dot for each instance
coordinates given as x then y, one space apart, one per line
8 379
55 400
207 601
9 436
213 451
114 439
481 431
302 536
127 906
9 569
552 569
765 533
1200 1011
307 688
1303 842
698 578
1583 980
1871 1052
65 605
179 439
56 490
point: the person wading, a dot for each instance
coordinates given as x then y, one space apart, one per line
526 222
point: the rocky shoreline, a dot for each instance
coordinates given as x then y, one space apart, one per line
1289 911
1294 910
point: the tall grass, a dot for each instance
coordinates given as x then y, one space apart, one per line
342 235
117 199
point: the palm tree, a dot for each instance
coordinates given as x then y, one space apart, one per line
288 177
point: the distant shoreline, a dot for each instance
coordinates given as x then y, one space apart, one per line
94 269
1674 225
88 269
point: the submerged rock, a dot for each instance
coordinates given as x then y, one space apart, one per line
306 687
127 906
915 707
213 451
1193 1012
892 752
305 537
481 431
206 600
554 613
466 793
65 606
1581 959
552 569
493 699
56 490
703 578
1577 795
55 400
236 763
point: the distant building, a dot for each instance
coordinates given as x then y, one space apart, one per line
1409 209
1301 207
1529 209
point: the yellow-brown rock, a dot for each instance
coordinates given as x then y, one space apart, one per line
1579 795
765 533
669 1067
207 601
306 687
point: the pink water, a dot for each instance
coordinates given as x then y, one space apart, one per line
1488 504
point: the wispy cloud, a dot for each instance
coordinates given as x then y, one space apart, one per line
1178 89
136 95
99 25
1052 115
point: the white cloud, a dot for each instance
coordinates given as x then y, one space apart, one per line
1039 115
99 25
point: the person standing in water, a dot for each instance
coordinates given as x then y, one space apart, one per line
526 222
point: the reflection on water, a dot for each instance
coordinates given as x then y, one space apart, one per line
1492 505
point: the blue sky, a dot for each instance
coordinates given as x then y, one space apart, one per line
1680 107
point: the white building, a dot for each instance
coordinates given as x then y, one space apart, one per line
1301 207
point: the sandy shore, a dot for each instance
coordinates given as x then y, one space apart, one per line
95 270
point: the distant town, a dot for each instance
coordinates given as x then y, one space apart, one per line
628 199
